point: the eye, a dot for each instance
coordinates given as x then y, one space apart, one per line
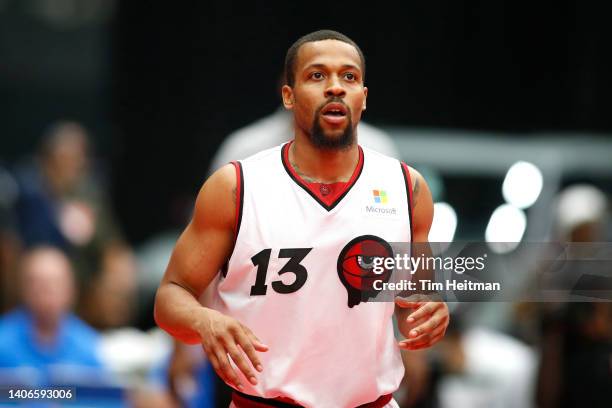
350 76
316 75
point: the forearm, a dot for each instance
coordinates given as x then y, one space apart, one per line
178 312
423 273
421 317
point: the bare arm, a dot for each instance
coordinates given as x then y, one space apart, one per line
201 251
427 324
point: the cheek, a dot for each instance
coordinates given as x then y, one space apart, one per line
304 110
356 103
356 111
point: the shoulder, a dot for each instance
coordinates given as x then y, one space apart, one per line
421 204
13 326
416 179
83 341
217 197
221 183
13 322
78 328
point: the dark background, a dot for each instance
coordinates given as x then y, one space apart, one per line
161 85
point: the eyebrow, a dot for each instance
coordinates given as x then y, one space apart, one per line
345 66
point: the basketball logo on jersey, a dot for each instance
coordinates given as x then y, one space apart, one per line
356 267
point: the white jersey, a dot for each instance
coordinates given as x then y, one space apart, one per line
294 279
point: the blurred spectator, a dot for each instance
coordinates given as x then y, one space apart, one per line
475 367
576 338
110 299
62 203
186 379
41 341
582 212
9 242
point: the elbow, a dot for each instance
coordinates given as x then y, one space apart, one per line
163 320
158 315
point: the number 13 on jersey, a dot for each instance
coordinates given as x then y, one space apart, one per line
293 265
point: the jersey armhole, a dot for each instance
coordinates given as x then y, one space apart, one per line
239 197
239 202
408 181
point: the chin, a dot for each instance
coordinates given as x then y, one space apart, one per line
335 138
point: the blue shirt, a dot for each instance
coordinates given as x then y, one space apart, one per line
29 362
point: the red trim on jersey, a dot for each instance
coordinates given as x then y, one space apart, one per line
334 192
242 400
239 196
408 180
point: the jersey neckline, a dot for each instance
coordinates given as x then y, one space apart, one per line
315 192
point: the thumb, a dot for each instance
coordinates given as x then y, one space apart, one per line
406 304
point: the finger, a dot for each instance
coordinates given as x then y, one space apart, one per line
241 362
215 364
208 347
427 326
259 346
407 304
214 361
427 309
412 301
229 374
424 337
421 343
246 344
406 327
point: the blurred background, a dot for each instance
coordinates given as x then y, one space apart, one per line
114 113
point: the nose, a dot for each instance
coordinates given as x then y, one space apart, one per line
334 88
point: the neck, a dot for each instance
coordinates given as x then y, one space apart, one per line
53 179
318 165
46 330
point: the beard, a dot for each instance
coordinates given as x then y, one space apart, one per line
320 139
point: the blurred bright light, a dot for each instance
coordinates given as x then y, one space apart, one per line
444 223
506 228
522 185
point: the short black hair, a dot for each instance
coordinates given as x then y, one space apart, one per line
319 35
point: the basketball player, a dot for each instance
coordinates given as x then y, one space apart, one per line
276 234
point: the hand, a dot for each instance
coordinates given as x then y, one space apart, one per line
221 335
426 325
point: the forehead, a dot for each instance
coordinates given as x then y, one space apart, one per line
46 265
327 52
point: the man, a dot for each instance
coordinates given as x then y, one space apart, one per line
269 131
286 327
42 339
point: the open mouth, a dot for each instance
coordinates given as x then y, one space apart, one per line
334 110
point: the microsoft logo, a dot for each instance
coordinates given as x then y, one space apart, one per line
380 196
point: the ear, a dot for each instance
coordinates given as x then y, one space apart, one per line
288 99
365 94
